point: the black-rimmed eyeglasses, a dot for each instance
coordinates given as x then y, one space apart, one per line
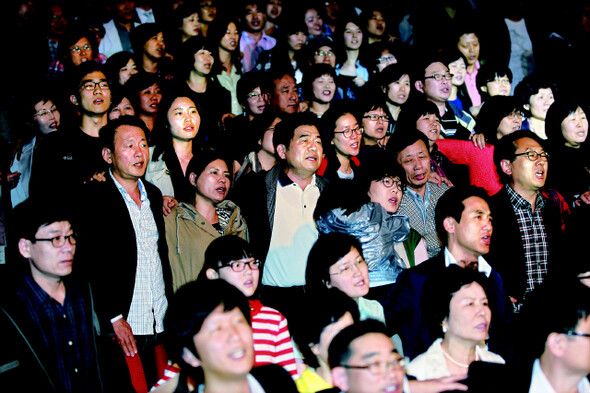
59 241
533 155
239 266
379 367
348 133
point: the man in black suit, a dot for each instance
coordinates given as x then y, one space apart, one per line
123 244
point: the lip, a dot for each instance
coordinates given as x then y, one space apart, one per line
419 176
482 326
540 174
237 354
53 125
360 283
98 101
394 388
221 190
486 239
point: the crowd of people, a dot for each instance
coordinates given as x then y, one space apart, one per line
279 196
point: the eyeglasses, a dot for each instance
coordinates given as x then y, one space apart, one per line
239 266
374 117
45 112
533 155
385 59
346 270
577 334
380 367
515 115
59 241
440 77
90 85
389 182
78 49
348 133
322 53
255 96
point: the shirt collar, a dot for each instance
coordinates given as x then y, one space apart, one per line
519 202
285 180
482 265
123 191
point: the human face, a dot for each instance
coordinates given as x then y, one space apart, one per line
190 26
346 147
296 41
125 10
324 89
256 101
577 351
96 101
208 10
526 176
469 315
183 119
385 59
246 280
130 156
429 125
399 91
367 349
225 344
376 24
81 51
325 55
500 86
539 103
353 36
350 274
509 124
45 260
415 160
436 91
46 116
155 47
58 22
375 129
203 62
474 230
149 99
123 109
229 42
574 128
126 72
213 183
328 333
314 22
274 9
266 141
388 197
305 152
285 97
458 69
255 18
468 45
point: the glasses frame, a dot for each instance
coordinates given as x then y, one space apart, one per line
383 118
388 179
373 367
233 265
440 77
59 241
533 156
348 133
86 85
577 334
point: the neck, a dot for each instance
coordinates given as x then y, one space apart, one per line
255 35
345 166
442 107
223 385
470 68
184 152
372 40
462 256
460 352
301 179
319 108
453 93
53 286
561 379
538 126
267 160
197 82
324 371
420 191
225 59
529 195
131 186
206 209
394 110
352 55
369 141
150 65
291 55
126 24
92 123
149 120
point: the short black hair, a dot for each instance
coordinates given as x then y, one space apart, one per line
506 148
108 131
77 75
314 72
190 306
142 34
138 82
225 249
491 114
204 157
413 111
339 350
556 114
285 130
115 63
250 81
488 73
530 86
450 204
392 73
402 138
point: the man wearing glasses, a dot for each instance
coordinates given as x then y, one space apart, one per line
528 220
435 84
48 334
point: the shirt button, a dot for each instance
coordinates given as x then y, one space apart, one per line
70 343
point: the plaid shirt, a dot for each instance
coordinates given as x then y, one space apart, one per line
65 332
534 237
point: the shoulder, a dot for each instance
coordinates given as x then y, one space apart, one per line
274 378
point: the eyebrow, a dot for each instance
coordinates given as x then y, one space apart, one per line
373 354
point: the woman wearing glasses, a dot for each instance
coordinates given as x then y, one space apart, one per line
341 136
190 227
376 123
456 309
368 212
230 258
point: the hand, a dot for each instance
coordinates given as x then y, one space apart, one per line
303 105
359 81
382 143
169 203
584 198
478 140
98 176
12 179
17 150
125 337
438 179
437 385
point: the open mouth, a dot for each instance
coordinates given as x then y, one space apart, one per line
540 174
238 354
221 190
98 101
392 388
486 239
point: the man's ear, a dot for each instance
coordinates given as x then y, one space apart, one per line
340 379
506 167
211 274
190 358
106 155
192 178
556 344
419 85
74 99
282 151
449 224
24 247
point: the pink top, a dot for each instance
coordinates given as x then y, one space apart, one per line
480 163
472 86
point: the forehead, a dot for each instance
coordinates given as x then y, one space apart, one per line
350 255
98 75
80 40
543 90
527 143
371 344
325 48
436 68
182 101
286 80
306 129
55 226
126 132
474 203
473 289
42 103
414 148
468 37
